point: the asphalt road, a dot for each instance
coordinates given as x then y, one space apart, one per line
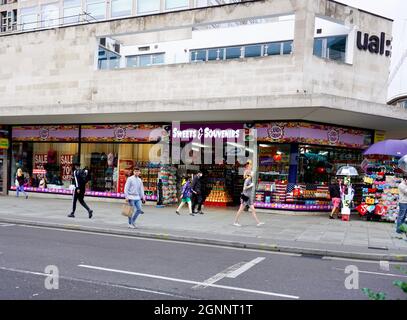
100 266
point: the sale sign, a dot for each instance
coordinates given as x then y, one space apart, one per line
40 160
66 161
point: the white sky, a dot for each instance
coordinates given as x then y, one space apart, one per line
397 10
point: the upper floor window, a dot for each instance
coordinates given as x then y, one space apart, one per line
247 51
108 59
50 15
121 8
145 6
28 18
72 11
96 9
145 60
176 4
332 48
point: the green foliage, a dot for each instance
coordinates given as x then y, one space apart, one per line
402 285
374 295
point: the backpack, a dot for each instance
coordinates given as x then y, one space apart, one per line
186 190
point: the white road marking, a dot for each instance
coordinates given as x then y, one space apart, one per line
96 233
219 276
6 224
189 282
378 273
360 260
245 267
94 282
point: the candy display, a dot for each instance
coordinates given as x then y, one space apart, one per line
219 195
167 175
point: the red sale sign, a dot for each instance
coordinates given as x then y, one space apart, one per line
66 161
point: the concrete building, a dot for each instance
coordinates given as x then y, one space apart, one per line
310 75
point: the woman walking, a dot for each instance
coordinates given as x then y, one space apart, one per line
20 181
246 199
186 196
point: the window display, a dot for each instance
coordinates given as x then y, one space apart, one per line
47 166
110 164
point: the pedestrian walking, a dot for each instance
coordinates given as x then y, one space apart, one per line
80 179
20 182
401 219
335 194
246 198
186 194
134 193
197 196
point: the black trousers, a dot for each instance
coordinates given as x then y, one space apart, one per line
197 200
79 196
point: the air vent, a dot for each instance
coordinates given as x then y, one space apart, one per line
319 31
144 48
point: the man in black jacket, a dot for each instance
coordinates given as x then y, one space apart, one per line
80 178
197 195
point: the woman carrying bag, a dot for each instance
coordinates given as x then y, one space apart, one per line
186 196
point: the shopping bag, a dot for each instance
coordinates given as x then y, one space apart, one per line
362 209
127 210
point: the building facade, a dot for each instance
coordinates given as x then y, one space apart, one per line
306 80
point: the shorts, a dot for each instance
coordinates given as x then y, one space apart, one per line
336 202
186 199
249 202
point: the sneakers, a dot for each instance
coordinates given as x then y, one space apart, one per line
399 236
192 214
90 214
237 224
177 212
200 212
71 215
260 224
132 226
331 217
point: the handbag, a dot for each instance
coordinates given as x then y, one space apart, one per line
127 210
244 197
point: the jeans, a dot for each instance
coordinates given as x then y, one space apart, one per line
136 204
21 189
402 216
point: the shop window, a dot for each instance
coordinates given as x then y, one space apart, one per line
72 11
146 6
319 165
121 8
273 168
110 164
273 49
287 47
51 163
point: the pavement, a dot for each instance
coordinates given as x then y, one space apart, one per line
313 235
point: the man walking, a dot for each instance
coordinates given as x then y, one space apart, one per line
403 207
134 192
197 196
80 178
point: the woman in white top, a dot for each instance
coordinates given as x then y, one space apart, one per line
246 199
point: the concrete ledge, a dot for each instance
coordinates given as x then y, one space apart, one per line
224 243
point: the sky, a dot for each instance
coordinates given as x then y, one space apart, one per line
396 10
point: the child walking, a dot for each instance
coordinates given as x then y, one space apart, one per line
186 196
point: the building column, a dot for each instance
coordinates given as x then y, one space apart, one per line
304 40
